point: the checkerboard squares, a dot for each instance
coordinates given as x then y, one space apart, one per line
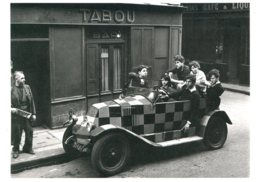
138 119
149 109
168 126
170 107
104 112
116 121
159 137
178 116
148 128
120 101
160 118
99 105
176 134
135 102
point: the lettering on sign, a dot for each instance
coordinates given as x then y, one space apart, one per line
240 6
107 16
213 7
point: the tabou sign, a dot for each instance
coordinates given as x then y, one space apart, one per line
108 16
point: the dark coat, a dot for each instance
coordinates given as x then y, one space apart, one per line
15 98
213 96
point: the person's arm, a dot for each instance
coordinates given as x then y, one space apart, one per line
174 80
175 95
32 105
13 108
201 80
216 91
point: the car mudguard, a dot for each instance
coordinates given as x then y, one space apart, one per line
205 119
105 129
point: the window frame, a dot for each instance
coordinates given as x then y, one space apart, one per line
111 47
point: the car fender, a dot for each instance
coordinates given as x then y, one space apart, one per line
109 128
206 118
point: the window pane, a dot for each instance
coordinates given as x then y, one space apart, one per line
117 68
104 69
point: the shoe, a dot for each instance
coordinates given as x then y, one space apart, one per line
29 151
15 154
186 127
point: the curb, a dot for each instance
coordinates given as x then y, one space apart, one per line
50 160
21 166
237 91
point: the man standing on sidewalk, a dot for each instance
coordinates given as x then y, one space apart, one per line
22 99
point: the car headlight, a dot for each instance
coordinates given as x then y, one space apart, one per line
90 126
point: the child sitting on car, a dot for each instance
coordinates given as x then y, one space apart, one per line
189 92
165 89
214 90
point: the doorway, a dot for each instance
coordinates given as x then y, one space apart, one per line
232 46
105 70
32 57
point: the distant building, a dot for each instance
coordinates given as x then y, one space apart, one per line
217 35
74 55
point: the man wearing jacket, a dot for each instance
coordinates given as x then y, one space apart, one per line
189 92
22 99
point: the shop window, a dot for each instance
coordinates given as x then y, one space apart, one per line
110 68
104 69
29 31
117 69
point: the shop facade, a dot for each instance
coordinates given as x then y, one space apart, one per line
74 55
217 35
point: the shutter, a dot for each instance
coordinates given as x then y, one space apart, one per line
92 69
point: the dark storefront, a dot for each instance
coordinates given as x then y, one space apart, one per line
217 35
74 55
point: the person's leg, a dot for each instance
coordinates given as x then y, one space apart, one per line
28 137
17 134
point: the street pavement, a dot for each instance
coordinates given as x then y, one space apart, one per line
47 143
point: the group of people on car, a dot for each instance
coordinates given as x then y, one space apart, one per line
183 83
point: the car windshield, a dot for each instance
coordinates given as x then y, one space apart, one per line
148 92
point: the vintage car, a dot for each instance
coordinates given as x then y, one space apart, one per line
110 129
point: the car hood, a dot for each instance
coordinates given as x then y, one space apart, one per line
111 112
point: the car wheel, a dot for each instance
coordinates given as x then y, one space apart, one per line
110 154
216 133
68 146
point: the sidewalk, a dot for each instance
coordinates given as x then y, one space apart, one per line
47 143
237 88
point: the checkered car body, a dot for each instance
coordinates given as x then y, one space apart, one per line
156 122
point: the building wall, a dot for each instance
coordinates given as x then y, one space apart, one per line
83 44
217 34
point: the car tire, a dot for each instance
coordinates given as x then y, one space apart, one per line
110 154
68 147
216 133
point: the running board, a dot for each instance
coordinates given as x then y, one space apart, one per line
180 141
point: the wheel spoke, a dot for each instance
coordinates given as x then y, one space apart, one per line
112 154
